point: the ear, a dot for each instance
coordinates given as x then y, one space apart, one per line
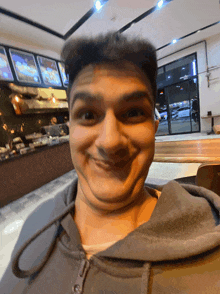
156 125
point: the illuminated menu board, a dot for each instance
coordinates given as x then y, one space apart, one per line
63 74
49 71
5 70
25 66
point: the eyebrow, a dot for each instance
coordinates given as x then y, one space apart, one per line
131 97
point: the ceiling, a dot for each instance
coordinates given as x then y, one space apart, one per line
174 20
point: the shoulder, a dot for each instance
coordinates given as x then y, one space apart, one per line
198 274
41 216
44 213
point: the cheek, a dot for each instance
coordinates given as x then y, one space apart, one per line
146 145
144 136
80 138
75 139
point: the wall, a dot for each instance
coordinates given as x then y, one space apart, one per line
209 96
29 38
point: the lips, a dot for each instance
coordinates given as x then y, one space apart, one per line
104 164
109 165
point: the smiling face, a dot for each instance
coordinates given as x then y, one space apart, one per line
112 134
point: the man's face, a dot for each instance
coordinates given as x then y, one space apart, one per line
112 134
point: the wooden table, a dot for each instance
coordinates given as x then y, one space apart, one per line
190 151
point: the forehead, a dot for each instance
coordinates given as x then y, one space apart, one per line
123 77
125 69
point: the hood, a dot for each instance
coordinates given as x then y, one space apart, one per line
184 223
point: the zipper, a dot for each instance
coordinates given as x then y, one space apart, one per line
78 286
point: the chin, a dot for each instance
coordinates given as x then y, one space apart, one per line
111 195
115 192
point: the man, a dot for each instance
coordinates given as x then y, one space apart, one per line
107 233
53 121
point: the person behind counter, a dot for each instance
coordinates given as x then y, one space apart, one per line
108 232
53 121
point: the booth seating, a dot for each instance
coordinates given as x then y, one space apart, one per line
208 176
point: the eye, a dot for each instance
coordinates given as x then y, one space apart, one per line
134 113
88 115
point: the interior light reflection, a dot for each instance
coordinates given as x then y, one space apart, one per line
12 227
194 68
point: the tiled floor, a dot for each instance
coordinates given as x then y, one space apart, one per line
13 215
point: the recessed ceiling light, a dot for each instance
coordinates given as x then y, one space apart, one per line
160 4
98 5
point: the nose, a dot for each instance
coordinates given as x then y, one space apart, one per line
111 140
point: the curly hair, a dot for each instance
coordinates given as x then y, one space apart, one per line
110 48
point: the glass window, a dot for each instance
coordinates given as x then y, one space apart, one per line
180 70
180 63
177 100
160 70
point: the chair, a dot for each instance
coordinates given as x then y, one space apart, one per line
187 180
208 176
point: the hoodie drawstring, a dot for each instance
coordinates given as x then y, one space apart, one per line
145 278
26 273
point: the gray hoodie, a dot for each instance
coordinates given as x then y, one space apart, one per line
176 251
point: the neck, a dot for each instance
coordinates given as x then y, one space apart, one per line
97 227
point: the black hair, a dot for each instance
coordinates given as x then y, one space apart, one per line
112 47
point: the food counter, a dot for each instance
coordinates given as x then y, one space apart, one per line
24 173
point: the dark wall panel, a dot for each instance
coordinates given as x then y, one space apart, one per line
20 176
